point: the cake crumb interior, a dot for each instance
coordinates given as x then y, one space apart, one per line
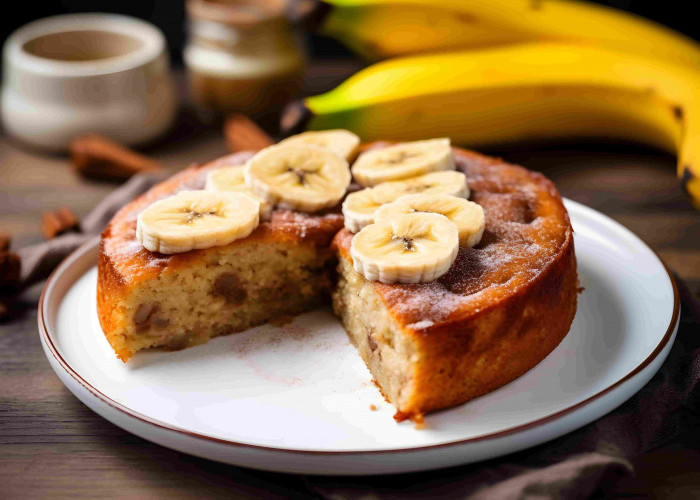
388 353
234 289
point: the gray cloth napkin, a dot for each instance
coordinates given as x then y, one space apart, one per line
38 261
581 464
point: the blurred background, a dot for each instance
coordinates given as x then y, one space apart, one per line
169 16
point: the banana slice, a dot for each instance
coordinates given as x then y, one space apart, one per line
444 182
232 179
306 178
342 142
413 248
403 160
359 207
192 220
466 215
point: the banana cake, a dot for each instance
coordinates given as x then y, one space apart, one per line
452 276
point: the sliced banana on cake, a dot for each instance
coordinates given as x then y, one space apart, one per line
306 178
466 215
412 248
401 161
192 220
342 142
444 182
232 179
359 207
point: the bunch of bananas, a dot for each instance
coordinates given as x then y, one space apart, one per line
509 70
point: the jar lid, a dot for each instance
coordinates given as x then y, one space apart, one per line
239 13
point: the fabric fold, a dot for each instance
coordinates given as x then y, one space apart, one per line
38 261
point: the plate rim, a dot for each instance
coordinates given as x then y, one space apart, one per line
89 245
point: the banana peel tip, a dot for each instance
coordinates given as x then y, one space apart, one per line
295 118
308 15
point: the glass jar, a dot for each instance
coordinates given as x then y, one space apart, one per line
242 55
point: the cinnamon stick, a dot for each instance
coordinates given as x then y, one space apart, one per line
10 264
99 157
5 240
243 134
54 223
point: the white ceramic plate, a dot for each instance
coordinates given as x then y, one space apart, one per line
297 398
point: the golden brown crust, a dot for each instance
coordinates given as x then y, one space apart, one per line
123 262
504 305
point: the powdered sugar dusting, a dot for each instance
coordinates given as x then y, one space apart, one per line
421 325
525 230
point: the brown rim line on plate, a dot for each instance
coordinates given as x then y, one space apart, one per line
43 330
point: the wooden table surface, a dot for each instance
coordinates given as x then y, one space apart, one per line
51 445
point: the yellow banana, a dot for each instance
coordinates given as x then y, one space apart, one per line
524 92
379 29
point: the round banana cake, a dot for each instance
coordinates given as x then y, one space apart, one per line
501 298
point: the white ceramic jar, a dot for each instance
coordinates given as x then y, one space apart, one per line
81 73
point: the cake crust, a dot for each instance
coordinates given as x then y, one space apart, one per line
124 265
502 307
